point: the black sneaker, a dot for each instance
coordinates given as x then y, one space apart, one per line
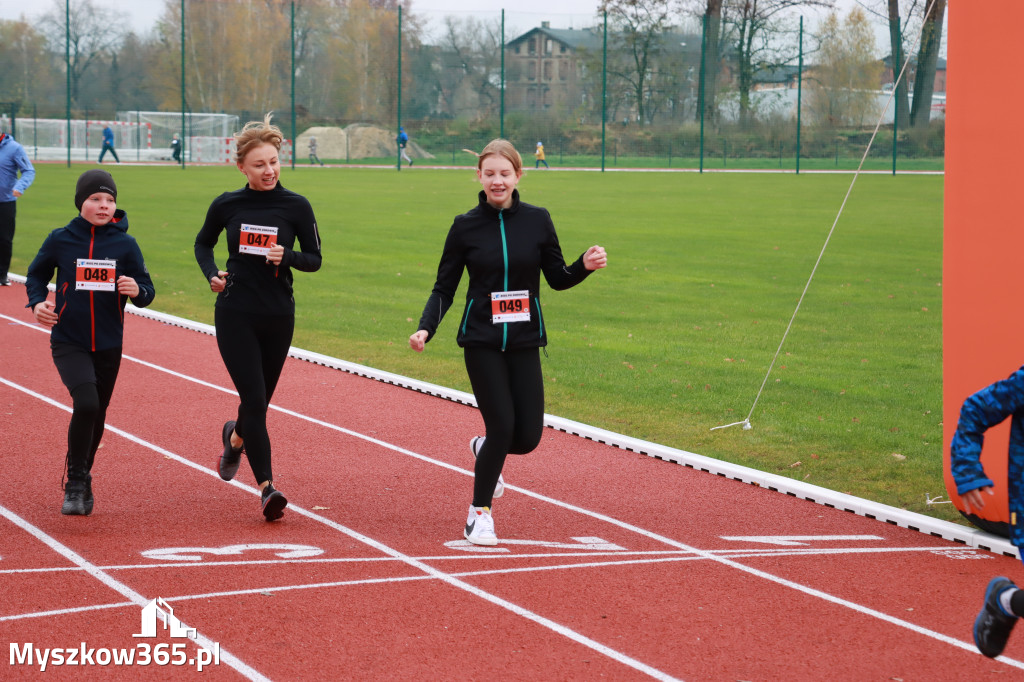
274 502
74 499
5 282
87 501
992 627
227 467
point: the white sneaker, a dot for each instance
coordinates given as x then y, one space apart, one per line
480 527
475 444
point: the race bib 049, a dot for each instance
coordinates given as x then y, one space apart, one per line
95 275
510 306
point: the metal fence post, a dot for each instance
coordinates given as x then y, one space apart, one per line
398 160
604 90
703 77
799 93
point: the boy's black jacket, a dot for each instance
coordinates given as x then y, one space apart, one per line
93 320
502 250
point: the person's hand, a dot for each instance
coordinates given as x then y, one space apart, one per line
127 286
418 340
595 258
219 282
44 314
16 193
275 254
974 498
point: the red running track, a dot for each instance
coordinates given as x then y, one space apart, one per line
611 564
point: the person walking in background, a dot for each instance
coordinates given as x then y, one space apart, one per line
539 153
108 145
255 310
176 148
403 139
504 244
313 156
16 174
99 267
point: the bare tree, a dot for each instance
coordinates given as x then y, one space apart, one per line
897 56
927 58
752 24
89 33
712 57
470 66
638 30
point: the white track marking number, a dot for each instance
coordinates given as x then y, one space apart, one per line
196 553
585 544
797 540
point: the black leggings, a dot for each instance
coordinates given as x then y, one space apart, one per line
89 377
509 391
8 210
254 348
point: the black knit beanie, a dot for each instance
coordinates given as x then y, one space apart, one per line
92 181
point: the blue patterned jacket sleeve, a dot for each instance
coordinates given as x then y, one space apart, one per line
980 412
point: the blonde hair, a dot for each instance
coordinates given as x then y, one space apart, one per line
500 147
256 133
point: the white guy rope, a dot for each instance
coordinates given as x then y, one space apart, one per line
746 422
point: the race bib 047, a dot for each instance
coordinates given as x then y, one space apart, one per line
257 239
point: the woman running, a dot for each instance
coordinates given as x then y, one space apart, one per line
255 310
504 244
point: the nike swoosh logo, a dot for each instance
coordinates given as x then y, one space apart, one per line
470 527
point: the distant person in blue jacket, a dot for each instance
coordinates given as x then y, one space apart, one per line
108 144
99 267
1004 602
13 163
402 140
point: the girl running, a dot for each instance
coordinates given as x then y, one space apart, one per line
504 245
255 310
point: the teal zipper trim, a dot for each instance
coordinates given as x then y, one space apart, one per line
504 255
465 318
540 317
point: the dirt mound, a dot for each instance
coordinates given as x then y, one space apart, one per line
355 141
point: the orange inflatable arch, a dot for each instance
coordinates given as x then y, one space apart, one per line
983 231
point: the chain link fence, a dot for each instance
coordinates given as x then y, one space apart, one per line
598 91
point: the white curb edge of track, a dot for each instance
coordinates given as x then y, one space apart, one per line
970 537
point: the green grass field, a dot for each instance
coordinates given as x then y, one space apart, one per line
674 338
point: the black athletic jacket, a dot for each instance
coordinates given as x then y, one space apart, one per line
253 285
502 250
92 319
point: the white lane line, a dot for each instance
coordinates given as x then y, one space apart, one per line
746 553
967 646
119 587
580 510
385 549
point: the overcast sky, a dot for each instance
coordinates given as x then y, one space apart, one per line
141 15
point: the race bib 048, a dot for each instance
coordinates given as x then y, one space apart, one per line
95 275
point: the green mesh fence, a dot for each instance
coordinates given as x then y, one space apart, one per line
598 91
